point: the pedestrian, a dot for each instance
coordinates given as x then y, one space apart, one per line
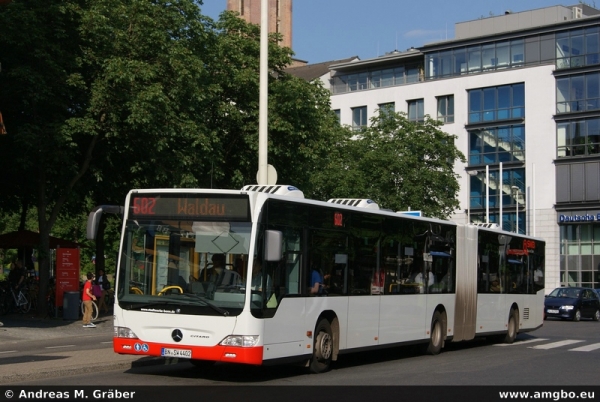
16 276
86 298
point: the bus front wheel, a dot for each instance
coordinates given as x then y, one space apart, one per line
323 348
513 327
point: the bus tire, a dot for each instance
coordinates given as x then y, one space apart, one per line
513 327
436 338
323 348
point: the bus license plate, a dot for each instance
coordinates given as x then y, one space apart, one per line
184 353
552 311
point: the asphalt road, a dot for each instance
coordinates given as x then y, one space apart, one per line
560 353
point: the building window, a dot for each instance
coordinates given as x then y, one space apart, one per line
578 93
492 145
386 108
388 77
578 137
416 110
475 59
577 48
445 108
338 115
497 103
359 117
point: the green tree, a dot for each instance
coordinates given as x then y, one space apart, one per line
302 128
107 95
398 163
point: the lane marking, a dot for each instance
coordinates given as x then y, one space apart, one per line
556 344
586 348
8 351
58 347
521 342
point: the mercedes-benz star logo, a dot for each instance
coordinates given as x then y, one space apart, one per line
177 335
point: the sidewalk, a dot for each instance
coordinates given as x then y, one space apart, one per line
27 327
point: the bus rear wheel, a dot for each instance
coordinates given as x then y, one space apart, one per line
323 348
436 339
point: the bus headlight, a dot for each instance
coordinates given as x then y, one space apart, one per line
124 332
242 341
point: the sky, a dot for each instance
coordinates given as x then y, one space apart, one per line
325 30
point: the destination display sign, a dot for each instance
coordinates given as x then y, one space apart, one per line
190 206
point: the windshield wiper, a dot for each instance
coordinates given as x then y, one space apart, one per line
141 306
171 302
206 303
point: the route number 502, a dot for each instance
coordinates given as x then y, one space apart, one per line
144 206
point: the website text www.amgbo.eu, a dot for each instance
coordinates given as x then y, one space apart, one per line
551 395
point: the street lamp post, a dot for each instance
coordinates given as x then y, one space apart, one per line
517 190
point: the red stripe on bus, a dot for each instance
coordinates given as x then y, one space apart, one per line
217 353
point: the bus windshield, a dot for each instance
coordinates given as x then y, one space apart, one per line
184 262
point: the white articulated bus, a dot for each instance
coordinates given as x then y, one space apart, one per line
228 276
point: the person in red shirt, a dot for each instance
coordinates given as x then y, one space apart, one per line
86 298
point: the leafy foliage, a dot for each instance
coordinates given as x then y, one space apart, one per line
107 95
398 163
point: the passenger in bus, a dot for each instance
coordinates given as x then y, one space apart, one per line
218 265
495 286
538 277
430 277
318 287
239 267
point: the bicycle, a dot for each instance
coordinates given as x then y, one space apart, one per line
17 302
95 310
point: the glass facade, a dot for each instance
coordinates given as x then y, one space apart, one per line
578 137
577 48
497 103
387 77
512 190
491 145
578 93
498 55
580 255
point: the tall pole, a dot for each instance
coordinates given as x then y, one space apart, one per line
487 193
468 198
517 190
532 197
501 194
263 94
517 224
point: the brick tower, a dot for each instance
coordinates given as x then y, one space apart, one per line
280 16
